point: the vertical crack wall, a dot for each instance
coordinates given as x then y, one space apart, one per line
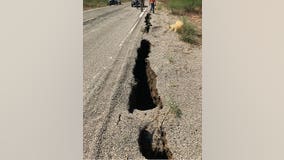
152 81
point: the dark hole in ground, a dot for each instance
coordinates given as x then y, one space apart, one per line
145 141
147 23
140 97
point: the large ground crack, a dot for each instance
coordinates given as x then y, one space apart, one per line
153 143
144 94
147 23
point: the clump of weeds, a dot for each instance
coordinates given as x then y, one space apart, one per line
188 32
174 108
184 6
171 60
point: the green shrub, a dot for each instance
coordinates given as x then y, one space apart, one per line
87 4
174 109
178 6
188 32
94 3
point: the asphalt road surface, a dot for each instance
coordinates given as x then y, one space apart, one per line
105 32
110 37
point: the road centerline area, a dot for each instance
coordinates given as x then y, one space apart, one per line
134 26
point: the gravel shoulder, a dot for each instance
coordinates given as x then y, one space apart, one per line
178 66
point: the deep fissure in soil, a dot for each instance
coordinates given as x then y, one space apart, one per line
140 97
147 23
153 145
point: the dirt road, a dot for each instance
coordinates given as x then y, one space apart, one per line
127 95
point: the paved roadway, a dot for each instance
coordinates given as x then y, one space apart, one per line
110 38
105 31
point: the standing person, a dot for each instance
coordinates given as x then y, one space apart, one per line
153 3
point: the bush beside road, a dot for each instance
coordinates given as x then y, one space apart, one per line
89 4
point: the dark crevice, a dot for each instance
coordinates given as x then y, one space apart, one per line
140 97
153 145
147 23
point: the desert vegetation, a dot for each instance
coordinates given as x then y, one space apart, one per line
186 9
89 4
